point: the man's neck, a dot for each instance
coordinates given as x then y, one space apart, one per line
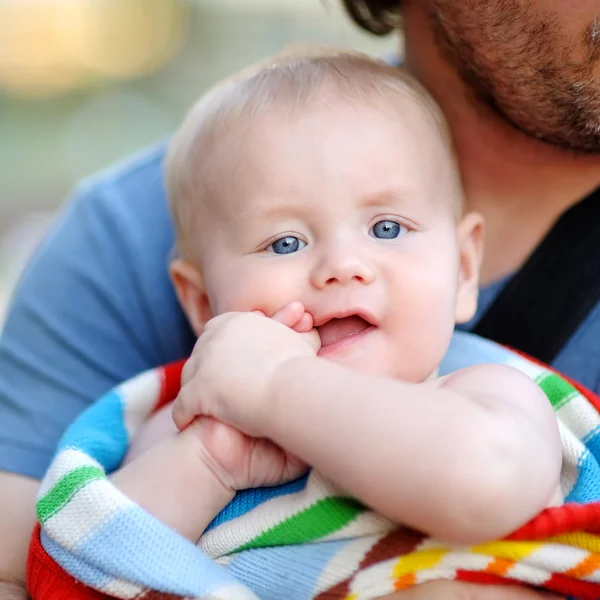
519 184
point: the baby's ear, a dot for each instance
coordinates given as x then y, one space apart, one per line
189 286
470 238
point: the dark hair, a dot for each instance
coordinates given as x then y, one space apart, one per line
376 16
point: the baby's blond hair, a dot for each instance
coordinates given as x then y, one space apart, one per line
291 81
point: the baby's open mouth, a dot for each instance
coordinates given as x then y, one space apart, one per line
336 330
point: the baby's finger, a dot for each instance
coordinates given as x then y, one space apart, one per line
290 315
184 409
313 339
305 324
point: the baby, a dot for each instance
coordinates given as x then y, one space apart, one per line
324 258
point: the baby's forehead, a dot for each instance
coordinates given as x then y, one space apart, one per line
259 150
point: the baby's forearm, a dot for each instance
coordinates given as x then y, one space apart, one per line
424 456
173 482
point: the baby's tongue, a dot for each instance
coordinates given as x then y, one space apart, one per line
337 329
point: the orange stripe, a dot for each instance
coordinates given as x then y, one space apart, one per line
404 582
499 566
586 567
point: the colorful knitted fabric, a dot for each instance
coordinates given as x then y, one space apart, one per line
300 541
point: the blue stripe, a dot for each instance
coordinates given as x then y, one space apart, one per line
289 572
138 548
587 486
74 565
100 432
245 500
592 442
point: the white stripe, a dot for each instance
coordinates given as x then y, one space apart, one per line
375 581
236 532
119 588
139 396
344 563
593 577
579 416
555 558
572 454
533 575
232 592
89 509
68 460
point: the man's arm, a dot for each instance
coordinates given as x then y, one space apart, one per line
93 308
17 500
13 591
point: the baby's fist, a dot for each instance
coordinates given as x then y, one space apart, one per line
229 374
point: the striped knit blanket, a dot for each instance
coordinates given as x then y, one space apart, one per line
302 540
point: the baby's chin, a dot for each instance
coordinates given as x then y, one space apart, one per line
374 353
384 367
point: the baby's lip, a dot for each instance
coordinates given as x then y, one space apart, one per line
364 314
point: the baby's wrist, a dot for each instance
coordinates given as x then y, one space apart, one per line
220 481
172 482
278 390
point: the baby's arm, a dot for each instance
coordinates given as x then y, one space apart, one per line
468 458
175 479
185 479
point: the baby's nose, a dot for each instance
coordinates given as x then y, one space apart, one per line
342 270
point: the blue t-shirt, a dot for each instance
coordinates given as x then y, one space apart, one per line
95 307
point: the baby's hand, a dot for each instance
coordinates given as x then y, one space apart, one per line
156 428
240 461
229 374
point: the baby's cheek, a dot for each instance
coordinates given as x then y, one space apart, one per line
261 290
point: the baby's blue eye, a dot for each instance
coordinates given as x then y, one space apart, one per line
387 230
287 245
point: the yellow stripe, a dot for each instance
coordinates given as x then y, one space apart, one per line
417 561
585 541
510 550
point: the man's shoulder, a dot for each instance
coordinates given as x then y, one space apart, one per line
143 169
126 197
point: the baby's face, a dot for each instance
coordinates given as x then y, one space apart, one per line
352 212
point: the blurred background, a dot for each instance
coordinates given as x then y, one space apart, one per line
84 83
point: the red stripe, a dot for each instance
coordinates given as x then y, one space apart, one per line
582 590
568 518
170 383
484 578
46 580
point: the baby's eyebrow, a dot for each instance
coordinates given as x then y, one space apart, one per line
270 212
387 197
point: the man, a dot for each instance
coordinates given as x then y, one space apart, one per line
519 81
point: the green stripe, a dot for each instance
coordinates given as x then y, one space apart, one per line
322 518
558 391
64 489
